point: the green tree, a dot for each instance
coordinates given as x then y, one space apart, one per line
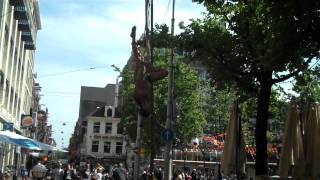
216 106
307 85
254 45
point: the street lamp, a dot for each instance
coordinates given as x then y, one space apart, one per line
184 150
39 171
203 148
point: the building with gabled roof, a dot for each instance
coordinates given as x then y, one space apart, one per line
97 135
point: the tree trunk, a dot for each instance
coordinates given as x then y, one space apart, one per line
262 125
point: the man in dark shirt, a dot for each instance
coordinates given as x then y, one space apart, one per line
120 173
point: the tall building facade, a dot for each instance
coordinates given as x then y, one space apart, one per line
19 23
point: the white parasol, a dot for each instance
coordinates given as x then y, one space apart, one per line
228 160
292 153
312 142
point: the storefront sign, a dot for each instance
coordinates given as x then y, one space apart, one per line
26 121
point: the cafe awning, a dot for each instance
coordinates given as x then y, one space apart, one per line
16 139
28 143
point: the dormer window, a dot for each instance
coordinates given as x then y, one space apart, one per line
109 112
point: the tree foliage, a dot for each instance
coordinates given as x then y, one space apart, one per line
216 106
308 85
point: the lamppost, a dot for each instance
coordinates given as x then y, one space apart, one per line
39 171
184 151
127 142
203 149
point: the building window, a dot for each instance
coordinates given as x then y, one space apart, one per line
108 128
107 146
119 147
1 78
84 123
96 127
6 35
109 112
11 47
83 131
119 130
95 146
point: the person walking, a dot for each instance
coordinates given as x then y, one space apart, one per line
69 173
5 176
194 174
178 175
120 173
57 172
85 172
98 175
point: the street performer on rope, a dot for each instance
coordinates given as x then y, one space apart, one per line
144 75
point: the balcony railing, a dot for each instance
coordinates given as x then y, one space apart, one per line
103 156
23 25
16 2
113 156
26 36
29 45
20 13
107 136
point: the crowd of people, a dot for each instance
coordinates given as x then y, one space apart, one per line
86 172
184 173
196 175
118 172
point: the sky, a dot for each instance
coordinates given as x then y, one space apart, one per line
80 40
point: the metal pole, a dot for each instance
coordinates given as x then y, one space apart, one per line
168 152
138 147
204 164
152 117
184 162
238 140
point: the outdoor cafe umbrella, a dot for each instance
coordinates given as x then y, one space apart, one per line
312 142
228 160
292 153
300 152
16 139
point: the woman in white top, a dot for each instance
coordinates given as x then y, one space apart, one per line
98 175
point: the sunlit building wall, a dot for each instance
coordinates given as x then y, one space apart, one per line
19 23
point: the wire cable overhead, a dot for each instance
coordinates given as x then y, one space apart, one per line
72 71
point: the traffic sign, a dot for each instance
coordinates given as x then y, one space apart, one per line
167 135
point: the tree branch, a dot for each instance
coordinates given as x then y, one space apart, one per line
285 77
235 74
230 69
